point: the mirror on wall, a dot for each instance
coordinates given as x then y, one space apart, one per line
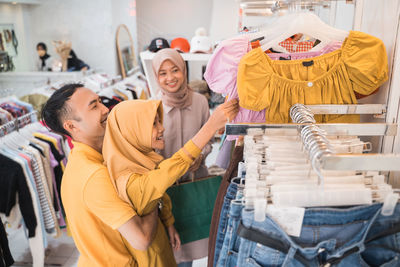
8 47
125 49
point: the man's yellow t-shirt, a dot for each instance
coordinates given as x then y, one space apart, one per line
94 210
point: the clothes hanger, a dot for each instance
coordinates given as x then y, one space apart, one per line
306 23
308 193
276 26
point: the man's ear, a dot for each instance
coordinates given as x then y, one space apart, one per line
69 126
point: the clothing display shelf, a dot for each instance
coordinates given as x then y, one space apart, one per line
360 129
362 109
146 57
330 161
17 123
322 158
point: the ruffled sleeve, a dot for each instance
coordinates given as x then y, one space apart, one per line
366 62
252 81
221 70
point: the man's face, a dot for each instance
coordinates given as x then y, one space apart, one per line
41 52
88 115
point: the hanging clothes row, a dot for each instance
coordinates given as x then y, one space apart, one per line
355 229
32 161
12 108
273 69
132 87
268 84
291 236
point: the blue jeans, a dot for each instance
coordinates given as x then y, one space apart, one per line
186 264
223 219
341 237
230 247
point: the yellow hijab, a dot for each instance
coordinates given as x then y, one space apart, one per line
127 141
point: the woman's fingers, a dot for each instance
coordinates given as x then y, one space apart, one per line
173 241
231 114
231 105
178 241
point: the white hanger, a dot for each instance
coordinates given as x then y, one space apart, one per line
304 190
306 23
274 28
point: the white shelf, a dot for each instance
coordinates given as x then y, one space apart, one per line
147 55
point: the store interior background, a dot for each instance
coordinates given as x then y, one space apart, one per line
91 27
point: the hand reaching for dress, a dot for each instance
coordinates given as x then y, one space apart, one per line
196 163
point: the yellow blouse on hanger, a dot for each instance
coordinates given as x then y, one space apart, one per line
360 65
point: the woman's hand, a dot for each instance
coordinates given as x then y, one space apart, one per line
174 237
224 113
221 115
196 163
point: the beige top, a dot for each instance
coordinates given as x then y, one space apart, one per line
181 125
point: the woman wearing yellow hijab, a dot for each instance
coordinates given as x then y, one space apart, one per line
141 176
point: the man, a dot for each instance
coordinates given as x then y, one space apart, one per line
96 216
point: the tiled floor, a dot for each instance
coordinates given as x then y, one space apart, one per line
60 251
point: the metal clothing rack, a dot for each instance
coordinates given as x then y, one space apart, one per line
18 123
325 158
375 109
360 129
330 161
361 162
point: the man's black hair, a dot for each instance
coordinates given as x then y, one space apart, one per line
56 108
42 45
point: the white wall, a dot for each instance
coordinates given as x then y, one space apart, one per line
87 24
171 19
224 19
90 25
16 15
344 15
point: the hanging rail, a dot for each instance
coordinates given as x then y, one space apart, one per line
18 123
360 129
374 109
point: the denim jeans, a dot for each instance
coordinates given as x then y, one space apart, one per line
357 236
230 247
223 219
186 264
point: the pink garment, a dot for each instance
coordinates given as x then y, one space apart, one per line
332 46
221 74
222 67
28 159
